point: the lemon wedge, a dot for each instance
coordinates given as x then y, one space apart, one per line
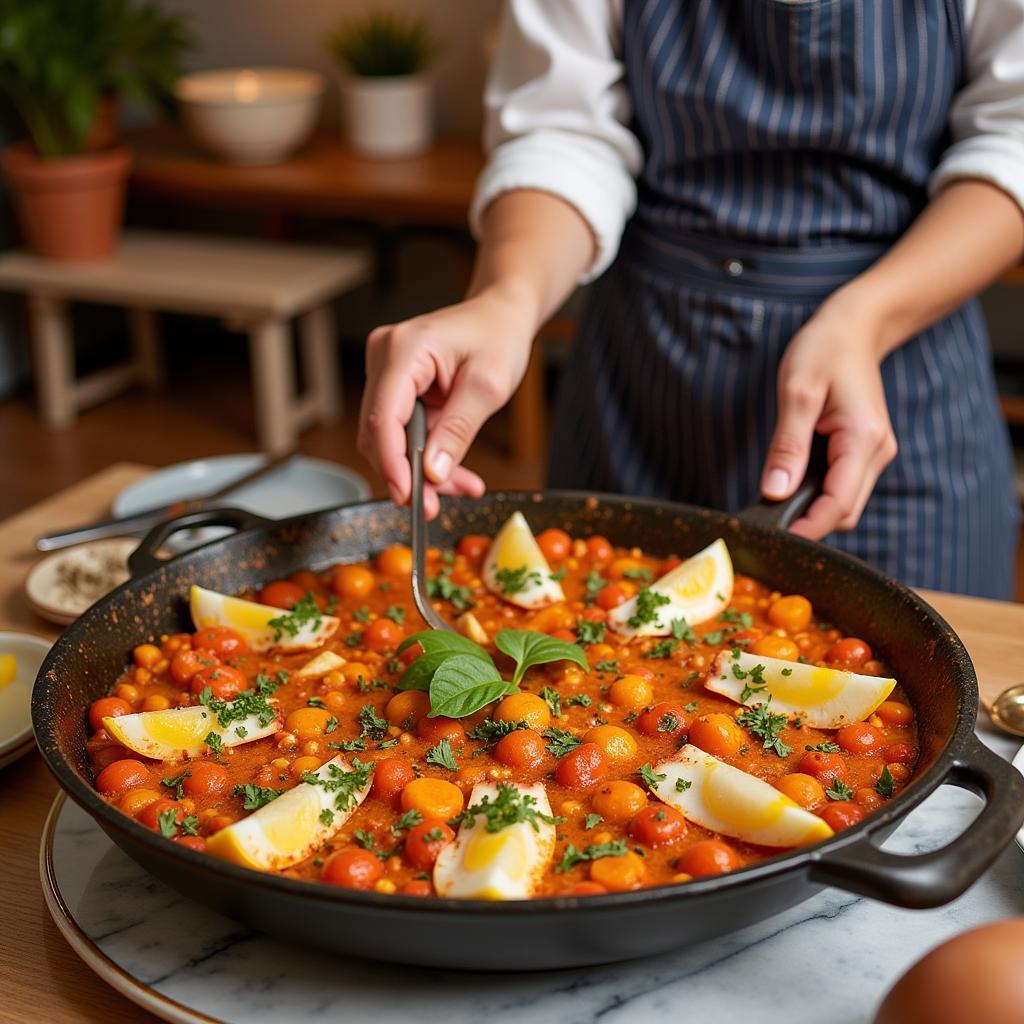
825 698
516 570
724 799
290 828
697 590
265 628
503 865
182 732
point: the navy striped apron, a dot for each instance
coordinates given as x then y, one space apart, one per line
787 145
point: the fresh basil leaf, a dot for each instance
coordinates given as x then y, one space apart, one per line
464 684
418 675
528 648
438 641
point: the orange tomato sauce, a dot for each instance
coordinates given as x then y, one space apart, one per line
619 706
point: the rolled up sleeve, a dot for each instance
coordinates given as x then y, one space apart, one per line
557 112
987 116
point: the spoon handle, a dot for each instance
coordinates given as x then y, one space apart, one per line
416 440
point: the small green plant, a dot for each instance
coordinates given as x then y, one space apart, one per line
59 57
383 43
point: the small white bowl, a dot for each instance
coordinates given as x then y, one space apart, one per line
16 697
250 115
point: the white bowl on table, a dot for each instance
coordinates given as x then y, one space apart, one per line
250 115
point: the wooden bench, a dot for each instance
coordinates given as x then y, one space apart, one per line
252 286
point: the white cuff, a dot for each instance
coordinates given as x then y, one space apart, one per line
994 157
585 172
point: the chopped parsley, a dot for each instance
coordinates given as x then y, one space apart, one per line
589 632
406 821
663 649
744 619
267 686
571 857
607 665
509 807
591 820
331 724
766 725
514 581
177 784
691 707
254 797
650 776
168 822
442 587
247 703
354 639
682 785
787 672
348 745
346 784
594 584
827 747
442 755
327 816
839 790
668 722
886 784
681 631
434 835
371 725
560 741
490 731
638 572
214 742
316 702
361 614
396 613
647 604
582 700
305 612
553 699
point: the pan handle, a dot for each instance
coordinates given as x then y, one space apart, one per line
144 558
780 515
930 879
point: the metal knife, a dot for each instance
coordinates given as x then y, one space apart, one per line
140 522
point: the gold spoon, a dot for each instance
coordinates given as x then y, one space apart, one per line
1007 711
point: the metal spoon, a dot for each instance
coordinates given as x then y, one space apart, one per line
416 440
1007 711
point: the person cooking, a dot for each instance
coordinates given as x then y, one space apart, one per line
789 205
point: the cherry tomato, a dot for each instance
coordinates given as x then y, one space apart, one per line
417 887
186 663
582 767
473 546
664 719
395 560
611 597
657 824
520 749
563 634
598 549
433 730
850 653
791 613
555 544
120 776
900 753
107 707
382 635
425 841
225 682
197 843
860 738
842 815
586 888
223 641
150 814
718 734
281 594
352 868
308 581
353 581
824 767
390 777
709 857
206 779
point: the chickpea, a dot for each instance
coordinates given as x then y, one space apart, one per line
125 691
307 763
141 675
619 874
146 655
155 702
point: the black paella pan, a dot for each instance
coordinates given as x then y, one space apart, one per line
925 654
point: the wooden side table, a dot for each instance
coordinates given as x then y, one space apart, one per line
254 286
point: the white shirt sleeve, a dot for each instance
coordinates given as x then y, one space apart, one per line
556 115
987 116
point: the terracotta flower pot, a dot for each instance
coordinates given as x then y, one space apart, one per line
69 208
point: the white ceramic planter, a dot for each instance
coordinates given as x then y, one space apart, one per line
388 116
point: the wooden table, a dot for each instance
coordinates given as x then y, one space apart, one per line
41 979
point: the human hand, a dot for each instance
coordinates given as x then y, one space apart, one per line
830 383
465 361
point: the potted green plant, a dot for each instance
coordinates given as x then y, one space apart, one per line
63 64
386 92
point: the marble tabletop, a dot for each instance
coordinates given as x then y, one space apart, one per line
835 946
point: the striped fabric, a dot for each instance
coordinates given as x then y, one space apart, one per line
786 146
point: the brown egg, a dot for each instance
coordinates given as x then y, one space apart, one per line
975 978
